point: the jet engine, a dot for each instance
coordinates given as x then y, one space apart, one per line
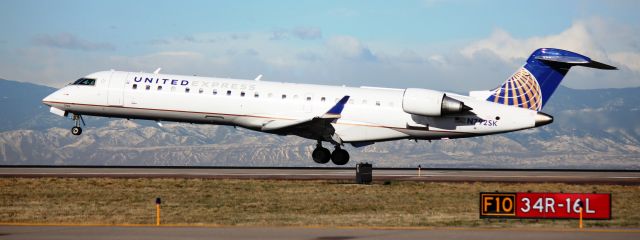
430 103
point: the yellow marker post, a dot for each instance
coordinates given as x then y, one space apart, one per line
158 201
580 217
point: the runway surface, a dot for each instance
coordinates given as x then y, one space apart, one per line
577 177
236 233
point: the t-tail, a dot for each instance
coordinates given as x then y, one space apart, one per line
534 83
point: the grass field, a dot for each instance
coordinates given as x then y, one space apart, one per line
279 203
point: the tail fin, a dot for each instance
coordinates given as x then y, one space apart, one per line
534 83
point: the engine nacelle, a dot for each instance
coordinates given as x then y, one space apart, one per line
430 103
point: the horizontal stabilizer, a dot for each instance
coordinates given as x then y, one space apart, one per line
575 60
599 65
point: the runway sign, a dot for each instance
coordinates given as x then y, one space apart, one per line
497 204
545 205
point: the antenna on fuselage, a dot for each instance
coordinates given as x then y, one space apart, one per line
258 77
157 71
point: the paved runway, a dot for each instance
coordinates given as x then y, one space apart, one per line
578 177
160 233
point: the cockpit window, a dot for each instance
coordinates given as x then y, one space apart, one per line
85 81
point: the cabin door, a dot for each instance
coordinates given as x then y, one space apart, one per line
116 89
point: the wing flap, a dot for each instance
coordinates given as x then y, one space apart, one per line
280 124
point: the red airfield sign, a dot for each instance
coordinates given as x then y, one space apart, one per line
545 205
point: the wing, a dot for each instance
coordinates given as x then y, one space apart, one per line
318 127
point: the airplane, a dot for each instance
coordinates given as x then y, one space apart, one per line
339 115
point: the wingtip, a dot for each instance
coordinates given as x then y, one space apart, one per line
344 99
337 109
599 65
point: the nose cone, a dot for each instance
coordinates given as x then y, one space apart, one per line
543 119
46 100
55 97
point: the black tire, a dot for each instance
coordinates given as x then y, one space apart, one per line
340 157
76 131
321 155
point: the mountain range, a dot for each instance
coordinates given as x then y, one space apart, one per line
592 129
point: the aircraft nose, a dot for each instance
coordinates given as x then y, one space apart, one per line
51 98
543 119
47 99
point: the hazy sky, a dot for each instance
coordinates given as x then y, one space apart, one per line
447 45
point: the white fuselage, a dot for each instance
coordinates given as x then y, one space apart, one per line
371 114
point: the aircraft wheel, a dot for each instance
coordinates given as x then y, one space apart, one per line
340 157
76 131
321 155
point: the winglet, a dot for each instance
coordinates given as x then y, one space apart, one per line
336 110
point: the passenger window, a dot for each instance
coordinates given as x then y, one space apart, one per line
186 90
200 90
378 103
256 95
295 97
241 94
135 86
364 101
308 99
159 88
228 92
284 96
215 91
147 87
390 104
270 95
323 99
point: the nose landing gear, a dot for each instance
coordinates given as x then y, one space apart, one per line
77 130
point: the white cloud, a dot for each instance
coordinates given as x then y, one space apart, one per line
279 34
600 40
300 32
180 54
70 41
576 38
307 33
628 59
482 64
350 47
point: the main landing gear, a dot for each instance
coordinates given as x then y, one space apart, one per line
322 155
77 130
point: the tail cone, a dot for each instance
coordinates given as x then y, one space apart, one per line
543 119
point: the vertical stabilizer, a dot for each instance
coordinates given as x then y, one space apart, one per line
534 83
